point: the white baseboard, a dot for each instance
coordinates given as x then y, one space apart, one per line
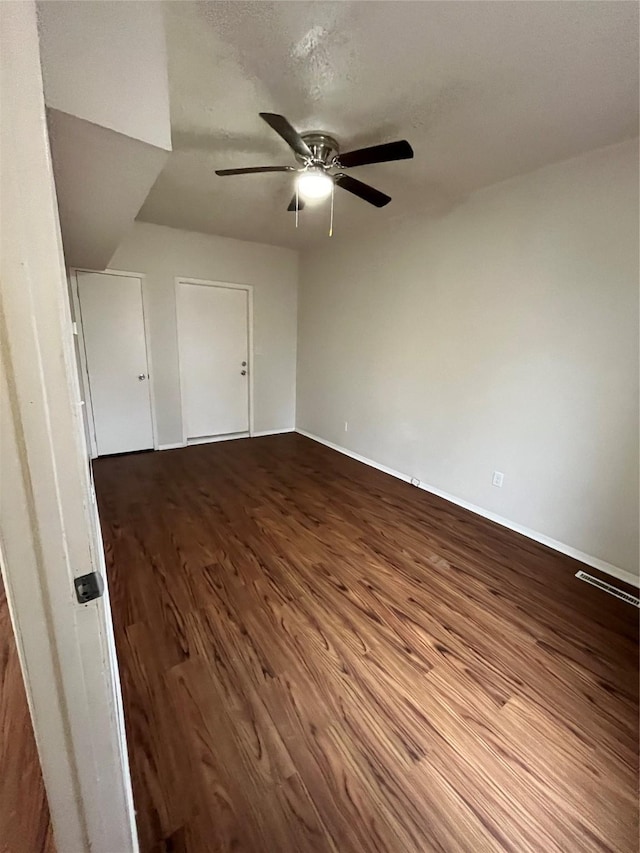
272 432
212 439
230 437
594 562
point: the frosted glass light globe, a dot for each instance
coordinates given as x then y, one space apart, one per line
314 185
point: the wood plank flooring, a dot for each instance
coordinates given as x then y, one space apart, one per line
318 657
24 814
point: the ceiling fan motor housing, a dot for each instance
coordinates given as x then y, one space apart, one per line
323 147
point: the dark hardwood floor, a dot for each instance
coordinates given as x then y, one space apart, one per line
318 657
24 813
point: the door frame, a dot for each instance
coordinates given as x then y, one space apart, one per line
48 521
178 280
84 368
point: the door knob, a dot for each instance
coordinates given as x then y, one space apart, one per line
244 363
243 373
142 376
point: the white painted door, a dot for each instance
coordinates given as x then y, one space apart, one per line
116 358
214 354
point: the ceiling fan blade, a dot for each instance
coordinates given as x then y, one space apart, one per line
252 170
288 133
363 191
377 154
292 204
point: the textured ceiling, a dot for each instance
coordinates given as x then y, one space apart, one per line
482 90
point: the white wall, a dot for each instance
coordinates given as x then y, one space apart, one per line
104 68
106 62
164 253
89 163
501 336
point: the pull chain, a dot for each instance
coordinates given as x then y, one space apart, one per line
297 204
333 186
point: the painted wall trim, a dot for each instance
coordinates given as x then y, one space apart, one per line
272 432
212 439
568 550
49 532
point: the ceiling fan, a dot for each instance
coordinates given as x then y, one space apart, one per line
321 164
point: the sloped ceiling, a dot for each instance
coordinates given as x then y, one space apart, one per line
482 90
104 69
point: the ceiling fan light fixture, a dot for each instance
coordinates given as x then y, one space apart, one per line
314 184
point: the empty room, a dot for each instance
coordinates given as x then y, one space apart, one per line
319 515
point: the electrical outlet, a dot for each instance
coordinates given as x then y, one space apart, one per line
497 479
415 481
346 426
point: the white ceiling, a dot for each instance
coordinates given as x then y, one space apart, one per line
482 90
